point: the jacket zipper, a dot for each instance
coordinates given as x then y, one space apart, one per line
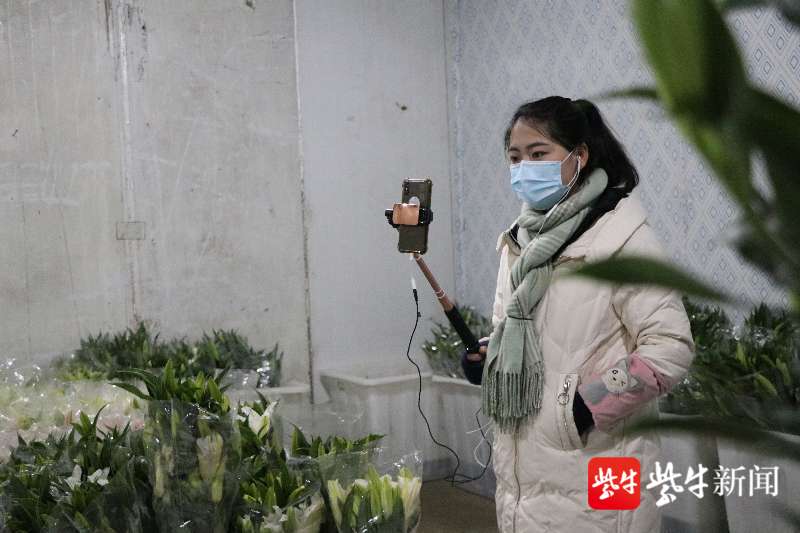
516 479
563 400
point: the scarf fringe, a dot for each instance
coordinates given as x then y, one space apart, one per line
510 398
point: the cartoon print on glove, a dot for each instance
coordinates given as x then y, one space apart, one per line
615 380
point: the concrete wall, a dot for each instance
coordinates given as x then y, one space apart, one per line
373 110
151 168
212 155
62 271
150 171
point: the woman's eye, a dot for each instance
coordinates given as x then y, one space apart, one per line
537 155
514 160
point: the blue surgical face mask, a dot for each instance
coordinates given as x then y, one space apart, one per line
539 182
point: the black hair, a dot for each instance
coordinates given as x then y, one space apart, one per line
571 123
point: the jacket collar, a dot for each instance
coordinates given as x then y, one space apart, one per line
603 239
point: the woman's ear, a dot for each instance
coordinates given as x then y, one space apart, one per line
583 153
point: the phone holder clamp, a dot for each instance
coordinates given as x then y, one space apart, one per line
407 214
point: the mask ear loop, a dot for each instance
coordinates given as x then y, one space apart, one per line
571 184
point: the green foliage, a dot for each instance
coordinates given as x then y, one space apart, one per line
234 349
377 503
105 355
86 480
280 499
445 349
261 436
332 445
102 355
748 374
196 462
193 448
205 392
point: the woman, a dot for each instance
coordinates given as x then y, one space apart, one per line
572 362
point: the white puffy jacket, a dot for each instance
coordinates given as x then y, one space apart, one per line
587 327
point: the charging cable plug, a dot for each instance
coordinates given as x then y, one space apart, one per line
416 295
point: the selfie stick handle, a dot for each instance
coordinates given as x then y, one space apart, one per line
455 318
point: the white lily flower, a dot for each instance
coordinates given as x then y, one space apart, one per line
211 464
337 496
259 423
313 515
99 476
410 488
75 479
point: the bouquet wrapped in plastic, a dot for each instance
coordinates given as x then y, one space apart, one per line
282 498
372 490
194 449
277 495
86 480
34 404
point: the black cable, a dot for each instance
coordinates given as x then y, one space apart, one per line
453 477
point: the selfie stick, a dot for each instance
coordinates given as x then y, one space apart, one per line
455 318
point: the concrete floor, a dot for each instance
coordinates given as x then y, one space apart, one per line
447 509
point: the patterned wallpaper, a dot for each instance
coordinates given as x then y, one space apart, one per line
502 53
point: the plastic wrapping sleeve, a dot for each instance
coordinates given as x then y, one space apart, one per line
88 481
301 518
284 498
35 408
195 458
124 504
372 490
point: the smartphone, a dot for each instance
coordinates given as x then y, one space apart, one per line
414 239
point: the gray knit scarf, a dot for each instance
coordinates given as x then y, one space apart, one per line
513 374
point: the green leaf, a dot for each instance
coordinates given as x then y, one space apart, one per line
150 380
701 81
300 445
645 93
785 374
646 271
132 389
765 384
724 146
694 57
740 355
774 128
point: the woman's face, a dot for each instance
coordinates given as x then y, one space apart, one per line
528 144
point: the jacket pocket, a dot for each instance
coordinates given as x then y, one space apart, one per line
565 421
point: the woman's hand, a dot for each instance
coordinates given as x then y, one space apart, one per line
481 355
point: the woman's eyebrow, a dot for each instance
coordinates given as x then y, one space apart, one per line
531 145
534 145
